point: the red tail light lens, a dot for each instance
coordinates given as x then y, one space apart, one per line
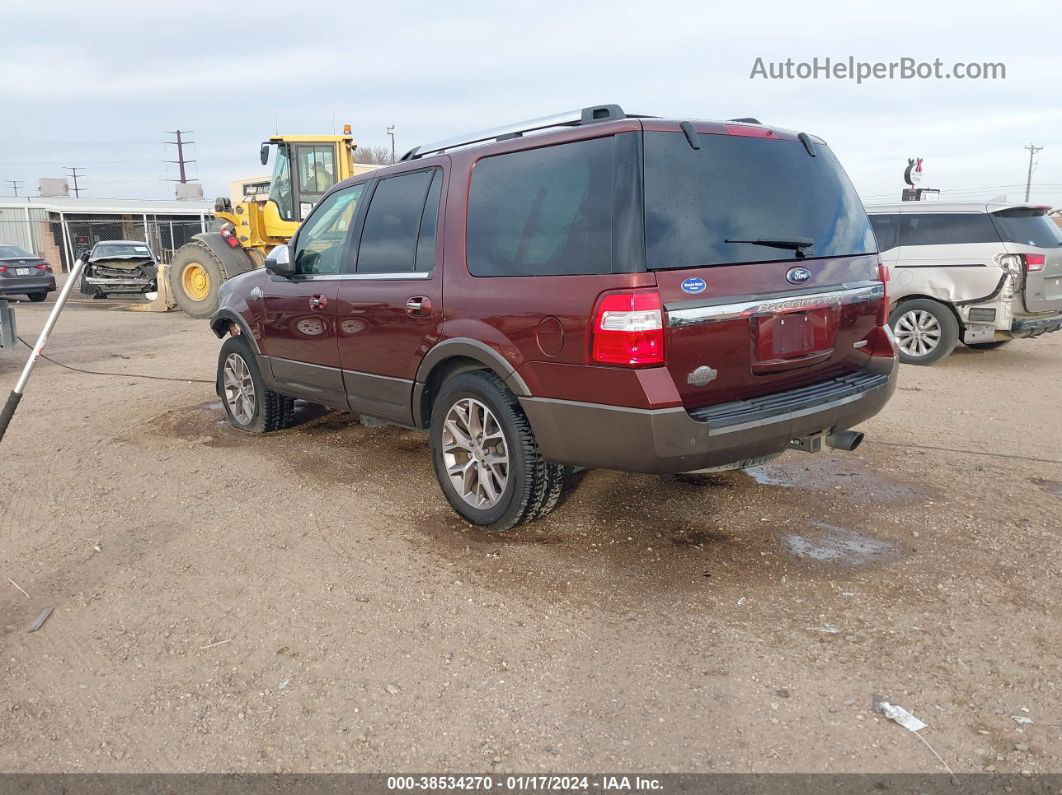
1034 262
628 329
44 267
228 233
749 132
3 269
883 312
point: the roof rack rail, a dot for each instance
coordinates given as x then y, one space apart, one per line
571 118
746 120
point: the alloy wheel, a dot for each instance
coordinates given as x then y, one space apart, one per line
239 389
475 453
917 332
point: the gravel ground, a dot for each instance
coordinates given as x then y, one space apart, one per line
307 601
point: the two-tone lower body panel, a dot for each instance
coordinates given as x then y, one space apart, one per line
676 440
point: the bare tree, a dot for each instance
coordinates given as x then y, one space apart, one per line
373 155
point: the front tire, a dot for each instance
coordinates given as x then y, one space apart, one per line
249 404
485 455
926 331
195 275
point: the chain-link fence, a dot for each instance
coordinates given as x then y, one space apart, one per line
58 240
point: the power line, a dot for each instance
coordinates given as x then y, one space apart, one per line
180 144
73 173
14 183
1033 149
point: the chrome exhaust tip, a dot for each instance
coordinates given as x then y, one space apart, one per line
844 440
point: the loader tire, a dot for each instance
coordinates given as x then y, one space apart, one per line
195 276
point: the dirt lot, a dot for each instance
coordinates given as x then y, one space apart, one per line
307 601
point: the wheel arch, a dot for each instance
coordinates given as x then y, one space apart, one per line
221 324
233 260
454 356
935 299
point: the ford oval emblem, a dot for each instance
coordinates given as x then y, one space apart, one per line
694 285
797 275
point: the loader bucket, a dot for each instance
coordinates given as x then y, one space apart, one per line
161 301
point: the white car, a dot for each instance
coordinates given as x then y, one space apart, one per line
980 273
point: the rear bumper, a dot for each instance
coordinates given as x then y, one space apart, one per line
26 284
675 440
1035 326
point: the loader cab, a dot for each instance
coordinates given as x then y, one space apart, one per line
302 173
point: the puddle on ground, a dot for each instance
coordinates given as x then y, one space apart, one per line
1050 486
840 545
854 479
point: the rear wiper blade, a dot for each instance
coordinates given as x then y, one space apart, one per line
796 244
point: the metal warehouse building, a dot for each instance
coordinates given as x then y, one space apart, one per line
57 228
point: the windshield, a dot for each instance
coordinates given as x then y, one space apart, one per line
120 250
768 198
1029 226
280 186
13 251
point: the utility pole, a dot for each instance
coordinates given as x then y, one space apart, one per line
180 143
1033 149
391 132
73 173
14 183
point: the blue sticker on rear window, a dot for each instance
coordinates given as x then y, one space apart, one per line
693 285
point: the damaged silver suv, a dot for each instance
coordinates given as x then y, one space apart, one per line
979 273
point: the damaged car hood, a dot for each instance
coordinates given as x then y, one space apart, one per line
125 262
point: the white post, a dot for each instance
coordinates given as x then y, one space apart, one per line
202 222
147 237
66 240
29 230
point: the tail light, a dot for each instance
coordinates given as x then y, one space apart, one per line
1033 262
3 269
228 234
44 267
883 277
628 329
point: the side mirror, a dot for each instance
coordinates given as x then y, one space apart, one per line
83 255
265 154
279 261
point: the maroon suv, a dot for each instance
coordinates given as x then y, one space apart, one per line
586 290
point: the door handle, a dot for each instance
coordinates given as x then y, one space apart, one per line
418 306
318 302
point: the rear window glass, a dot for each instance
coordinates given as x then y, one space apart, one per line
741 188
542 212
392 223
1029 226
935 229
13 251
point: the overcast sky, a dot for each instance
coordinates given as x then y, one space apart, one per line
95 85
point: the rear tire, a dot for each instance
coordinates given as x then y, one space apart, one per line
249 404
926 331
37 297
481 438
987 346
195 275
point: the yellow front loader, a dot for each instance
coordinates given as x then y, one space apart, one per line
304 168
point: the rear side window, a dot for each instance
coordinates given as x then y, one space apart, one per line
1029 226
737 188
929 229
543 212
392 224
885 230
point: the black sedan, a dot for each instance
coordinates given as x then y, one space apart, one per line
21 273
